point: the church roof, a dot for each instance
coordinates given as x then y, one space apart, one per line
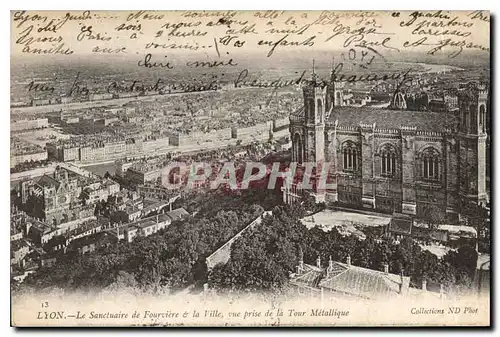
351 116
47 181
392 119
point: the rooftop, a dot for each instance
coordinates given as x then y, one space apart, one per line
18 244
177 214
147 222
310 276
47 181
145 167
354 280
350 116
391 119
361 281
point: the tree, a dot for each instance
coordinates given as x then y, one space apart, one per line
477 216
262 258
425 265
465 259
433 215
97 209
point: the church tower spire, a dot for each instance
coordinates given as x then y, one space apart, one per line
335 94
314 76
473 109
332 72
315 100
331 90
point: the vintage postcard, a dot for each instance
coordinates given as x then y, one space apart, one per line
250 168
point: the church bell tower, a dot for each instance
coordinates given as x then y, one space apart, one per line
472 136
315 100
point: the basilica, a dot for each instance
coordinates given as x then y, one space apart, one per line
393 160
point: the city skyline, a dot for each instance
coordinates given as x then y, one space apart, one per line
330 170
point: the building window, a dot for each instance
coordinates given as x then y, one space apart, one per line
473 122
430 164
467 121
297 148
350 153
319 105
311 108
482 117
388 161
430 168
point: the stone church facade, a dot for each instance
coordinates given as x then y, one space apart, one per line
55 198
394 161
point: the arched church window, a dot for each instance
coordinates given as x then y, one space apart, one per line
430 164
388 160
350 153
467 120
320 108
482 118
311 109
297 148
473 121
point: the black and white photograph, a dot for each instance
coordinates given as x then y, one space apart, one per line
250 168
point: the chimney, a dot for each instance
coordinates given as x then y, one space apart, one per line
386 268
405 284
424 284
330 266
348 260
318 262
300 267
